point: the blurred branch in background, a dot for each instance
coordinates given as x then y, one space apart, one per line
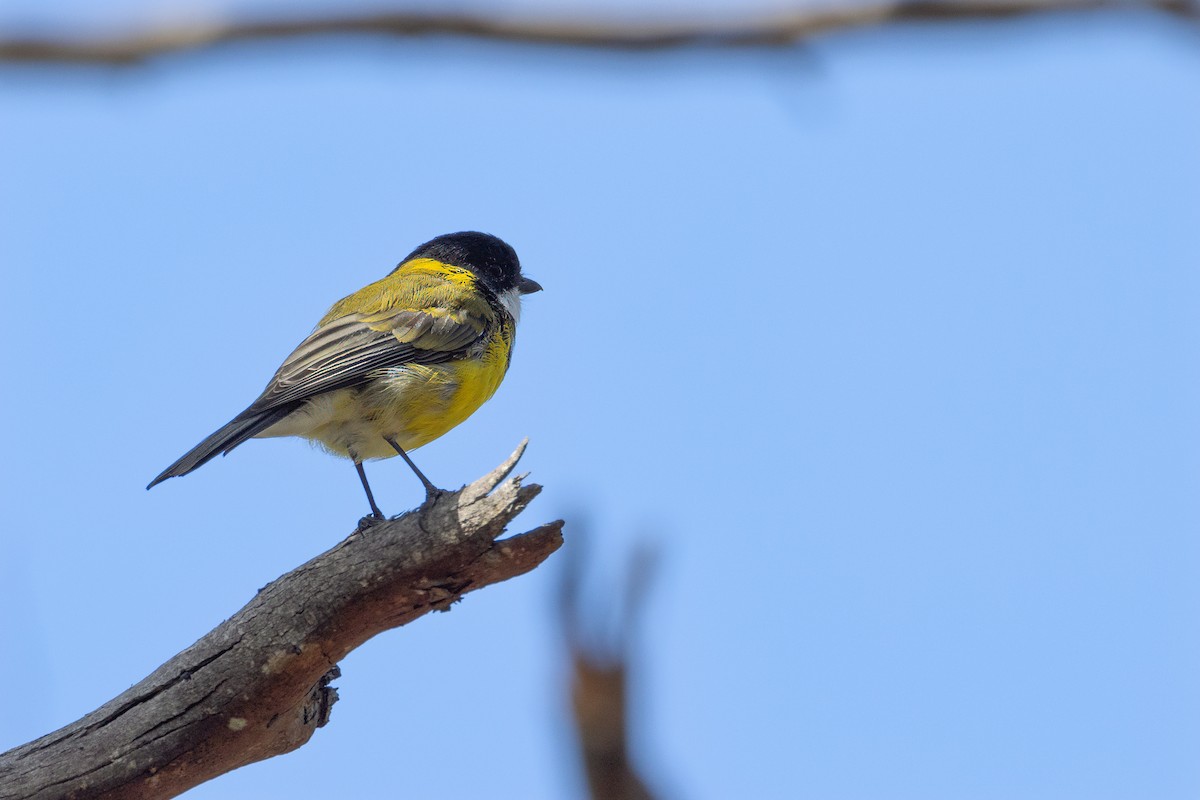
766 30
600 649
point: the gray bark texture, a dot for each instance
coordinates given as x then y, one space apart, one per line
258 684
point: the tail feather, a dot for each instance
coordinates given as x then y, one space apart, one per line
229 436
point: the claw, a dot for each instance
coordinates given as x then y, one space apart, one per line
370 520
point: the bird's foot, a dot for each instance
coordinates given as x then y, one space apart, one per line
369 521
432 493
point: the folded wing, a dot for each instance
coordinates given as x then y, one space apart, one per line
345 352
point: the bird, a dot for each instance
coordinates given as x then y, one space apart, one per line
394 365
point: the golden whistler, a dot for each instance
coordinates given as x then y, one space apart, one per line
396 364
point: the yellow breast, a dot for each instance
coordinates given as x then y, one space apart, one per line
413 404
419 403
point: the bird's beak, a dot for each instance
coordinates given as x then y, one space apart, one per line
528 285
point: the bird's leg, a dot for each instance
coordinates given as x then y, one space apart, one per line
431 491
362 476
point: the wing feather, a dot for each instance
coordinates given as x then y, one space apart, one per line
432 316
347 350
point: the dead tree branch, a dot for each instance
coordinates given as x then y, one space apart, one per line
258 684
136 46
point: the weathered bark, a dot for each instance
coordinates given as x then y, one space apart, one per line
258 684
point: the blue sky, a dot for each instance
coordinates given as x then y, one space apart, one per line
888 341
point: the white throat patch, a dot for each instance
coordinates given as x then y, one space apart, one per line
511 300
